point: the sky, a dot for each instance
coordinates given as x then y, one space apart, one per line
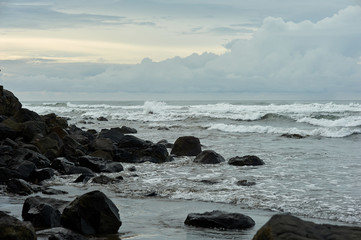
181 49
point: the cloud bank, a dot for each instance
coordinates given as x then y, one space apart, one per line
321 58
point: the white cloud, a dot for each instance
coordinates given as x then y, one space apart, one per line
282 57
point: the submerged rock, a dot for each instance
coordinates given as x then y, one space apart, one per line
60 233
248 160
13 229
92 213
187 146
284 227
219 219
209 157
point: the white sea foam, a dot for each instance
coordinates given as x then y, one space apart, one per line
324 132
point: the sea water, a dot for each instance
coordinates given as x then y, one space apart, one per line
317 176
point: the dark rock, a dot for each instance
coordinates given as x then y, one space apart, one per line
102 154
72 148
151 194
187 146
165 143
219 219
33 128
103 179
114 134
102 119
103 144
48 146
13 229
6 174
60 233
63 166
10 129
284 227
24 115
61 132
18 186
84 178
294 136
24 168
9 104
22 154
43 212
92 213
248 160
41 174
209 182
209 157
130 141
93 163
127 130
245 183
52 120
132 169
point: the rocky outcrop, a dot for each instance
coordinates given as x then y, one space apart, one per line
248 160
219 219
92 213
209 157
9 104
43 212
285 227
12 228
187 146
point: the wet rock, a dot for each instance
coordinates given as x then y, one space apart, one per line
10 129
102 154
187 146
6 174
114 134
248 160
128 130
245 183
294 136
209 157
24 154
13 229
112 167
83 178
72 148
165 143
43 212
102 119
41 174
92 213
284 227
63 166
19 187
103 144
51 191
24 115
24 168
103 179
60 233
130 141
219 219
132 169
49 147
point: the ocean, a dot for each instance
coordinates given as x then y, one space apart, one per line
316 175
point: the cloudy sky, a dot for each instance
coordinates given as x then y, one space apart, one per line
181 49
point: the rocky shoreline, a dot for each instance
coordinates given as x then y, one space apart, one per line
35 148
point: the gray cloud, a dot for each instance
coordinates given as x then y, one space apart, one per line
282 57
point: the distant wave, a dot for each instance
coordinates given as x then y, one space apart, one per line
323 132
351 121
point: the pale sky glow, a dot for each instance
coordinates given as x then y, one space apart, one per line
63 50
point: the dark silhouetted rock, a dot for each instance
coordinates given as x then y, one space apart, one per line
102 119
83 178
60 233
219 219
104 144
209 157
22 154
294 136
92 213
187 146
130 141
33 128
9 104
18 186
63 166
285 227
245 183
24 168
13 229
51 191
6 174
52 121
114 134
248 160
41 174
127 130
165 143
24 115
43 212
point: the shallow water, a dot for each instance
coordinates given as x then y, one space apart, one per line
318 176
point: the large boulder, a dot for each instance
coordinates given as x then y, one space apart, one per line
65 167
13 229
186 146
248 160
209 157
19 187
92 213
9 104
220 219
33 128
284 227
43 212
